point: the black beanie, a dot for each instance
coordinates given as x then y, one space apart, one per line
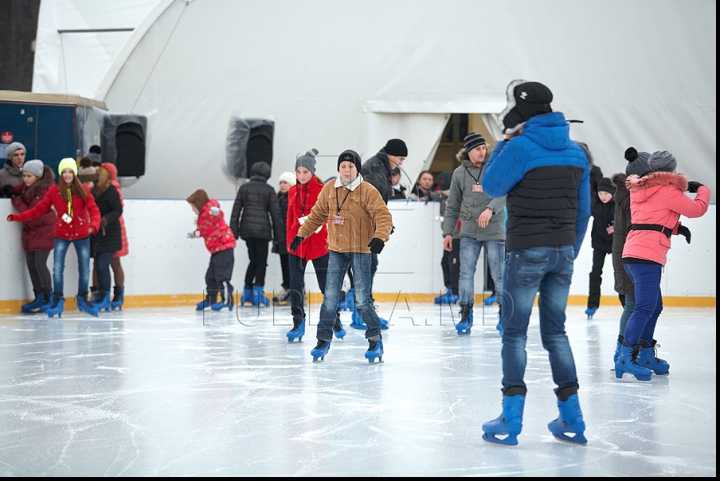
605 185
350 156
396 148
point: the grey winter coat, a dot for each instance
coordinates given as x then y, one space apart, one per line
376 171
9 175
466 205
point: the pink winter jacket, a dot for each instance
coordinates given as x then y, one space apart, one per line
658 198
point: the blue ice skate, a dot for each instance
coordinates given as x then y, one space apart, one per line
627 364
338 328
447 298
489 301
103 301
384 324
375 351
86 306
259 298
508 424
350 300
569 422
247 297
58 306
48 305
357 322
647 358
35 305
320 350
499 328
297 332
590 311
464 327
618 346
219 306
118 298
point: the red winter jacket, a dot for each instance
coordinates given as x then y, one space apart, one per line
301 199
658 198
38 234
214 230
85 214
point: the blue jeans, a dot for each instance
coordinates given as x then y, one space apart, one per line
362 272
549 270
82 248
469 254
102 266
648 302
627 311
297 267
373 270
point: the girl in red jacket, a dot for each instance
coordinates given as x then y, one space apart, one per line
38 237
301 199
77 218
220 241
657 200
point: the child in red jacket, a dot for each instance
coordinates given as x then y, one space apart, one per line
220 241
78 217
38 236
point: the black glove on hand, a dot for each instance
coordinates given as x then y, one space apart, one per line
296 243
685 232
6 191
376 245
693 186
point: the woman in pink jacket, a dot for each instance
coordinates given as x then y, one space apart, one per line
657 201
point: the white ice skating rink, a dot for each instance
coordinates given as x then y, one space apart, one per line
164 392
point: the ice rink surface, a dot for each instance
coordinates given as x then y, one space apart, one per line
170 392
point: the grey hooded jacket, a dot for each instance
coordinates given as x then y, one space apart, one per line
466 205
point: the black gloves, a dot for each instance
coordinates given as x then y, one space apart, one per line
6 191
693 187
376 245
685 232
296 243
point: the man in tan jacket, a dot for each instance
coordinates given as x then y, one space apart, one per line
359 224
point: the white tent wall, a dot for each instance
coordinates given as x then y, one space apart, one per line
638 73
163 262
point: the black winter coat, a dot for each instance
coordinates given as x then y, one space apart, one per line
108 238
623 283
376 170
255 206
603 217
281 246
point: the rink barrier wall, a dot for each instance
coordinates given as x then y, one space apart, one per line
165 268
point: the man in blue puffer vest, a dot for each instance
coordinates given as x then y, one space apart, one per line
545 177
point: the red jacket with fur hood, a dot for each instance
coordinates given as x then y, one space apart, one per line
301 199
658 198
85 214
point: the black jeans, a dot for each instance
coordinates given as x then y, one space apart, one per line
258 254
39 272
297 280
285 266
596 278
219 273
451 267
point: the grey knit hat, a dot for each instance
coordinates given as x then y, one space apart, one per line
35 167
637 162
13 147
307 160
662 161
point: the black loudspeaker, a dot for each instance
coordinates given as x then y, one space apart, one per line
124 143
260 145
249 141
130 147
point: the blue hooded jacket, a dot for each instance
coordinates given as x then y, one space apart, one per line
546 178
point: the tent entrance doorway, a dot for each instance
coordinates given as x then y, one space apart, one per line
451 141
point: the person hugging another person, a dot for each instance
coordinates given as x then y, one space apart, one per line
359 225
78 217
108 240
256 219
657 200
38 237
220 241
601 235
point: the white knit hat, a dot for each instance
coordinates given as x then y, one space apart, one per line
288 177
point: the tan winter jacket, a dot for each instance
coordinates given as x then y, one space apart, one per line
355 214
